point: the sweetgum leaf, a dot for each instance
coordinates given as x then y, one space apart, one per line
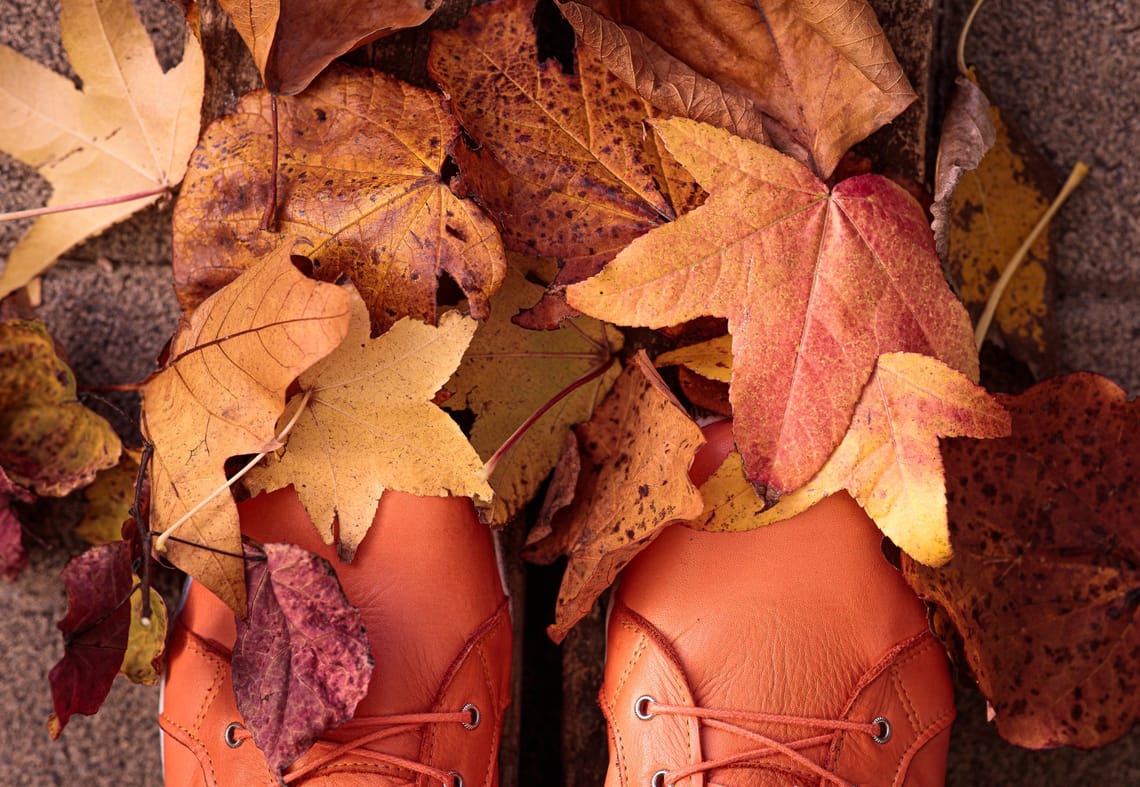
630 479
822 71
1044 586
301 659
95 630
49 442
508 373
563 161
370 425
889 459
130 129
220 396
294 40
711 359
360 192
816 283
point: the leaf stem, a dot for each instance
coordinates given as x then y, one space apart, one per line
510 442
269 218
963 69
160 542
95 203
1078 173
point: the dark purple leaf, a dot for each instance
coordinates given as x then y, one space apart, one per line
95 631
301 661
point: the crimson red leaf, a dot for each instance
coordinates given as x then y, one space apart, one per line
95 631
301 660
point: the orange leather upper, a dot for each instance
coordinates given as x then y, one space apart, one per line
805 617
427 583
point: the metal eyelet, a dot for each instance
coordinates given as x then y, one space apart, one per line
658 779
456 779
641 708
884 730
472 709
230 737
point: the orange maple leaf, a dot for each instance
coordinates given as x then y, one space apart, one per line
815 283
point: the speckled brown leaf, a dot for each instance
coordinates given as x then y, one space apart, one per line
661 79
49 442
301 661
815 283
370 424
508 373
1044 585
821 70
564 161
359 192
635 454
220 396
889 459
294 40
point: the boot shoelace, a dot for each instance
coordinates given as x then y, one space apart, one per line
731 721
375 729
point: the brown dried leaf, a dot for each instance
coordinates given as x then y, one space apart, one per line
294 40
1044 585
360 193
635 454
221 395
370 425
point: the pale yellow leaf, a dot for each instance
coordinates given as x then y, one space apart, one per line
711 359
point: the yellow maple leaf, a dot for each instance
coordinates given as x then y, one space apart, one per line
711 360
369 425
889 460
130 130
220 397
146 644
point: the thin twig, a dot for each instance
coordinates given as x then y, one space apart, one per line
1080 170
269 218
95 203
143 527
160 542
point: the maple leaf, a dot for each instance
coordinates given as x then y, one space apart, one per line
49 442
130 129
508 373
301 659
815 283
292 42
665 82
629 472
109 499
711 359
1043 586
220 396
563 160
95 630
822 72
369 424
360 193
888 461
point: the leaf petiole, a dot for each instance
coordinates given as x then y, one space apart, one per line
47 210
160 542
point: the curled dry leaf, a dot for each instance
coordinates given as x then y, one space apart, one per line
508 373
129 130
630 480
370 425
1044 586
816 283
95 630
888 461
967 134
360 193
668 84
49 442
564 161
301 660
293 41
221 395
823 73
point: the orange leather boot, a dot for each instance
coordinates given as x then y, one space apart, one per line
427 581
793 654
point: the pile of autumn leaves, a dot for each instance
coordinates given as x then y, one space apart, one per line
669 187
